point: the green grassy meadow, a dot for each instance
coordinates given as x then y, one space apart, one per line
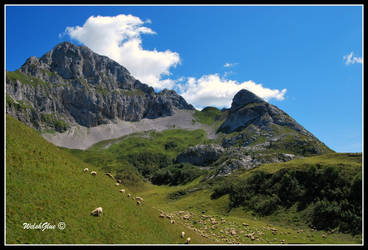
45 183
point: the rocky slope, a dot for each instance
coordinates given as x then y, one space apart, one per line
253 132
247 109
71 85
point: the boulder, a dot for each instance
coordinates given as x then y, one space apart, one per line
201 155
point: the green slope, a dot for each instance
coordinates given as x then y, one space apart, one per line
292 224
47 184
147 154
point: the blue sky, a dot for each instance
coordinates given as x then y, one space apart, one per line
293 56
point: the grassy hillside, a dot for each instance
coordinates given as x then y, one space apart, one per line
323 192
197 197
292 224
47 184
148 154
293 195
211 116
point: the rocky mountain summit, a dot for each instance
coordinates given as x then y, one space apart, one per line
247 108
72 85
251 133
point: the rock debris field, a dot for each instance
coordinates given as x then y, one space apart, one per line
79 137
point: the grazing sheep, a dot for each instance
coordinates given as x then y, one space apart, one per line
122 191
188 240
93 173
172 222
128 195
117 184
85 170
109 175
138 203
139 199
97 212
186 217
118 180
182 234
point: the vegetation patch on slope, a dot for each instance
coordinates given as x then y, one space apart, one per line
150 155
23 78
327 189
210 116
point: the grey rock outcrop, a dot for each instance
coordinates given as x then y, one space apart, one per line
247 108
72 85
242 98
201 155
252 121
246 159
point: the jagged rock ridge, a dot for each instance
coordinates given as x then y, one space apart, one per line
72 85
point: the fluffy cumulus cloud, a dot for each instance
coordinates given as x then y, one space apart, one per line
351 59
212 90
119 37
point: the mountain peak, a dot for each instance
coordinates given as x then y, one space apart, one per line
244 97
82 87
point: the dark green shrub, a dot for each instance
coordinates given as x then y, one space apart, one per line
325 214
171 145
148 163
333 200
129 178
222 188
266 205
176 175
177 194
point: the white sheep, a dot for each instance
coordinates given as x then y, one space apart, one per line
118 180
138 203
85 170
139 199
97 212
109 175
172 222
188 240
117 184
93 173
122 191
182 234
128 195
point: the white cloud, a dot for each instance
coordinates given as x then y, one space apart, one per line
227 65
211 90
350 59
119 38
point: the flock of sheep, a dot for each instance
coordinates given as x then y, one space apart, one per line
98 211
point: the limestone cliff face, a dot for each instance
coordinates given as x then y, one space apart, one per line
73 85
